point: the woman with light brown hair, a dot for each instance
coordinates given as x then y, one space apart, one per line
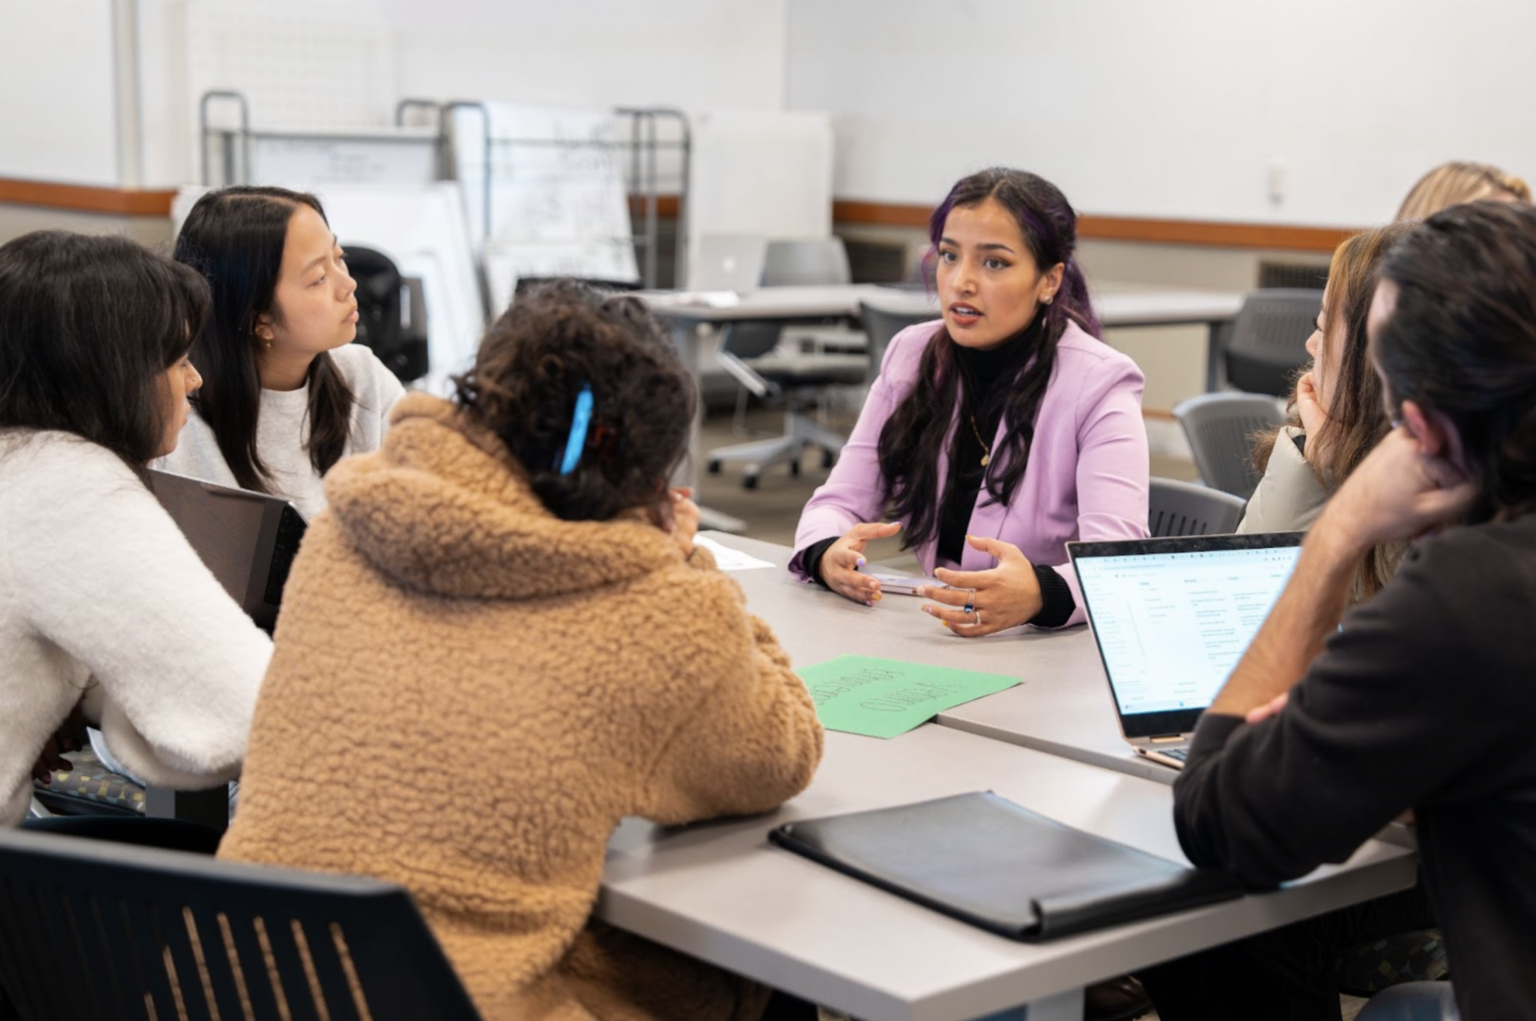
1459 181
1336 416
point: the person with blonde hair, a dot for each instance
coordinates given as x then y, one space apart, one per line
1460 181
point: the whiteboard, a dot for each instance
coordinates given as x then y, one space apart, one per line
760 173
558 199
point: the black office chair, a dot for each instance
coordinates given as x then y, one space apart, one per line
96 930
1220 428
1183 508
391 313
1267 345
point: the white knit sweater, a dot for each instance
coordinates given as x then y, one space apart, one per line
282 430
101 597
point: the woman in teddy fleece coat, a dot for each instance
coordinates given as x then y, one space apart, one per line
498 642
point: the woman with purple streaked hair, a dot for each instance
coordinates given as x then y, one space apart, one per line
994 435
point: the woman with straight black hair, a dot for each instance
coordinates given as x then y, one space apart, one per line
107 616
995 435
285 393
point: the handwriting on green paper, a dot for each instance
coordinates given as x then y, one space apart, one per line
886 697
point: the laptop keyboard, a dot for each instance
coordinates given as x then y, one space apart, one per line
1182 754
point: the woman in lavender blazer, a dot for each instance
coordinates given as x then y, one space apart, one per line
995 435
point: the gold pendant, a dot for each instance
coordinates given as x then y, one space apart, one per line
986 459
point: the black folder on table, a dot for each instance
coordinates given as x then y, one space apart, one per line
987 861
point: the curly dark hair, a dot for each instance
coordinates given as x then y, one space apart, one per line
528 372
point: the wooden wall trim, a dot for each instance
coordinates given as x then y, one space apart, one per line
128 202
86 199
1127 228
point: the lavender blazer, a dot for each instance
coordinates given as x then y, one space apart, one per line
1087 474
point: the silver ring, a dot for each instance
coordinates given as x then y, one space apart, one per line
978 618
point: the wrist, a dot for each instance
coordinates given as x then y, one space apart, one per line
1333 538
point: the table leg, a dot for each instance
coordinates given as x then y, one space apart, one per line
1067 1006
1215 356
685 335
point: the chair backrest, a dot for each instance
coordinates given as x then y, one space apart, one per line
1183 508
1269 337
880 325
90 929
391 319
801 261
1221 429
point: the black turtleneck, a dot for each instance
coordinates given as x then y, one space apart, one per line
985 379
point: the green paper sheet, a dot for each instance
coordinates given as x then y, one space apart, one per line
886 697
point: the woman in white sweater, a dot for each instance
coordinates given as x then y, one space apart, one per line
286 393
107 616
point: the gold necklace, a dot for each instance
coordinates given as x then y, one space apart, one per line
986 458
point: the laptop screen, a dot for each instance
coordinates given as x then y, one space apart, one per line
1173 616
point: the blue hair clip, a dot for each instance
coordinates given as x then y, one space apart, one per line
578 437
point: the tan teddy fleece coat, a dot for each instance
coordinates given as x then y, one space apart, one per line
466 696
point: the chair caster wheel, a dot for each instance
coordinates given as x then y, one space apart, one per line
714 467
749 482
828 459
794 469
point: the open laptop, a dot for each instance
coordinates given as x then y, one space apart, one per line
727 262
248 540
1171 618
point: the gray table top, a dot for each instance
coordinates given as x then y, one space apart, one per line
1119 308
719 891
1063 705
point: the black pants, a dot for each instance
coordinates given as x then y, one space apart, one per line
1284 975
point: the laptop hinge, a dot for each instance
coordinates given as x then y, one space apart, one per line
1166 738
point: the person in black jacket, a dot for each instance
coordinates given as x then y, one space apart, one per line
1424 700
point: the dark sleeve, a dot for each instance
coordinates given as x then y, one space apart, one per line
1389 712
813 554
1057 594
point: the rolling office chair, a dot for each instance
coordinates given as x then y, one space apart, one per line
1183 508
749 351
881 326
1267 345
104 931
1220 428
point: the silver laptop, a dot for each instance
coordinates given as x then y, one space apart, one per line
248 540
1171 618
728 262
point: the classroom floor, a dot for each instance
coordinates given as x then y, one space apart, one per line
773 508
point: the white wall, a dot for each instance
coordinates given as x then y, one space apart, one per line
593 53
1177 108
57 119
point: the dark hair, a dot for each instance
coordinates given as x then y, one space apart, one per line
528 372
88 325
1462 341
912 440
235 238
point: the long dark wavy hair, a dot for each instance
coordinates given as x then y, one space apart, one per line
1462 341
88 327
529 370
235 239
912 441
